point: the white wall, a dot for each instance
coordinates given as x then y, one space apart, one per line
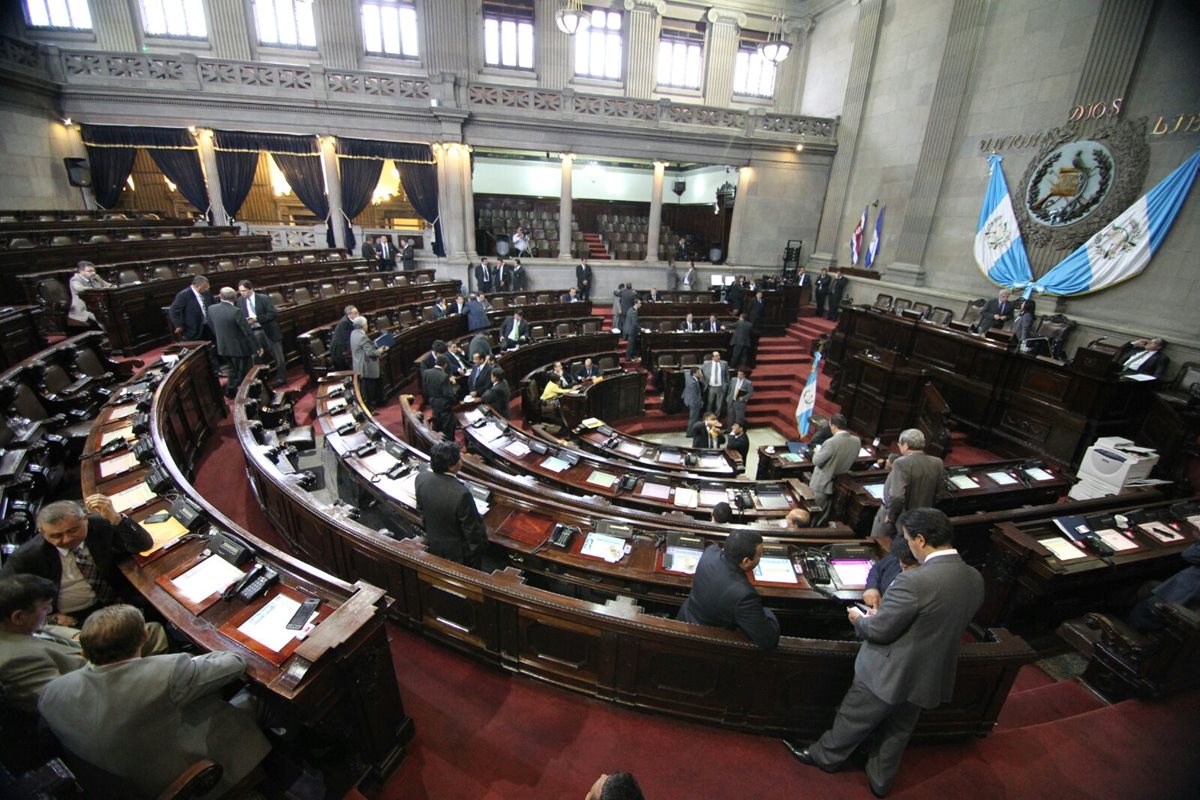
594 182
32 148
831 45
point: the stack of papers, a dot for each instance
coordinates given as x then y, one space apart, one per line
162 533
268 626
776 569
964 481
1116 540
685 497
117 433
132 497
1002 478
710 497
631 449
121 412
473 415
657 491
115 466
791 458
875 490
599 545
555 464
1160 531
1039 474
602 479
488 433
1062 549
211 576
591 423
517 448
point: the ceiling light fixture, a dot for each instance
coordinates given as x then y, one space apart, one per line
571 18
775 49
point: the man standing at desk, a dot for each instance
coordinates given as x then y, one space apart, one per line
631 329
453 528
693 398
996 312
741 342
821 291
740 392
912 483
721 593
716 377
833 458
262 315
235 339
583 280
909 655
837 288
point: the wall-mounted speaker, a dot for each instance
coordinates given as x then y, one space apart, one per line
79 172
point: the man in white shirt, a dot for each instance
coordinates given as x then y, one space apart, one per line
716 375
1143 356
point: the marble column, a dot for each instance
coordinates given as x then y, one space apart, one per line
212 179
450 198
338 24
468 197
644 19
739 228
333 190
229 30
555 50
862 61
113 24
565 209
656 194
721 55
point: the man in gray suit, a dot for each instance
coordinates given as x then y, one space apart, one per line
32 653
365 358
716 377
833 458
912 483
148 719
909 656
740 392
235 339
693 398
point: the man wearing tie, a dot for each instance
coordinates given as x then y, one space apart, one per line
262 315
483 276
514 331
713 325
189 311
479 379
583 280
588 370
996 312
631 330
740 392
689 325
738 441
709 436
693 398
501 278
368 250
408 256
1143 356
235 339
387 254
716 375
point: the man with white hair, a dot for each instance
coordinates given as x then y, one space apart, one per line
235 338
996 312
912 483
85 278
366 362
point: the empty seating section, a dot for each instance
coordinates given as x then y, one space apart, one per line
619 236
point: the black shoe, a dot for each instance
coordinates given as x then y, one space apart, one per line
802 755
876 789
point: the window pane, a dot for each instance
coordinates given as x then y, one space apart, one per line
491 41
371 29
306 33
692 72
613 56
408 31
389 26
154 20
194 14
614 21
60 17
582 53
525 45
664 60
508 43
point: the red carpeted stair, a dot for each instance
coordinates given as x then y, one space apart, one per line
596 248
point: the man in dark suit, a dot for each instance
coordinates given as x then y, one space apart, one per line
716 379
913 483
735 294
479 376
909 656
721 593
713 325
693 397
480 344
77 548
803 278
583 280
1181 589
588 370
477 318
441 393
518 276
837 288
339 343
514 331
709 435
653 297
439 308
147 719
453 528
456 305
821 291
387 254
740 392
572 296
742 341
632 329
262 315
1143 356
625 298
754 308
235 340
738 441
408 256
689 324
502 277
996 313
368 250
189 311
483 276
498 395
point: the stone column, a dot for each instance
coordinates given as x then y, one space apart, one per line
721 55
468 196
229 30
338 33
449 36
861 62
644 18
565 202
739 228
450 198
333 189
652 228
208 161
958 56
113 24
554 57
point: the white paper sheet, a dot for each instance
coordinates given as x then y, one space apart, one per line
710 497
555 464
125 432
772 501
115 466
864 452
776 569
517 448
473 415
599 545
121 412
875 490
212 575
1116 540
659 491
850 572
1039 474
132 497
1062 549
488 433
1002 478
631 449
338 420
1160 531
602 479
269 625
964 482
686 497
681 559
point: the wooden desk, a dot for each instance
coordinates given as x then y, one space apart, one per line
340 680
1035 590
775 462
612 443
20 334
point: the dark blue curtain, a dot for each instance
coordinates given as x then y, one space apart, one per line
111 162
418 175
298 158
360 176
173 150
304 175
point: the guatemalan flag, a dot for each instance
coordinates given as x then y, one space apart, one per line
1122 248
999 249
856 238
808 398
873 248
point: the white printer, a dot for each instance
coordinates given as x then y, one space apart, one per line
1109 465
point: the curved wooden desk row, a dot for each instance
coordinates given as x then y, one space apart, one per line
37 259
610 651
777 461
24 216
584 473
20 334
609 442
72 235
339 680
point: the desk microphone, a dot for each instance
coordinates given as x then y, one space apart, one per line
1096 341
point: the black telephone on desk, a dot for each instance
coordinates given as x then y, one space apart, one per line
562 535
743 500
158 479
628 483
254 585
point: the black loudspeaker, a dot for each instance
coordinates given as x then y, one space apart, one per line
79 173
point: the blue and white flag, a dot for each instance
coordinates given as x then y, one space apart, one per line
873 248
808 398
1122 248
999 249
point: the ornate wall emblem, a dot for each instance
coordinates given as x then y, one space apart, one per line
1074 187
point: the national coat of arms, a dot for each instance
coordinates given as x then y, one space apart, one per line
1069 183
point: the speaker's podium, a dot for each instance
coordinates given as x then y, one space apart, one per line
1096 360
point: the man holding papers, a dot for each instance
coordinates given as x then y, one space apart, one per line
909 656
721 593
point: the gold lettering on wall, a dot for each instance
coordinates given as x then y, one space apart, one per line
1096 110
1183 123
